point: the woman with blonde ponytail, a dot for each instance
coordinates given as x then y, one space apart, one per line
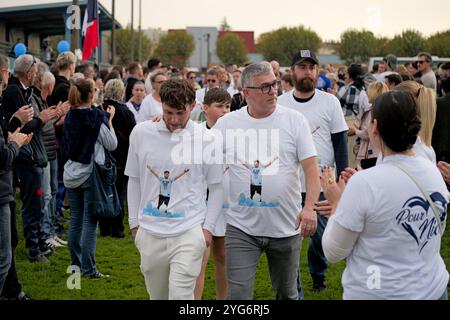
426 102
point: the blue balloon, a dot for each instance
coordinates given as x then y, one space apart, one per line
20 49
63 46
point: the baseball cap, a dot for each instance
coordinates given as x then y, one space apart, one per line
392 60
303 55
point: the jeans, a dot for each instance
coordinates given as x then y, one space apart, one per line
317 261
242 255
61 192
31 193
82 230
50 186
5 242
12 286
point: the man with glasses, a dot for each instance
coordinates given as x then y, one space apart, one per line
212 81
266 131
326 119
32 158
425 65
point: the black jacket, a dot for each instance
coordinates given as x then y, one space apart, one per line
14 97
123 123
8 152
60 94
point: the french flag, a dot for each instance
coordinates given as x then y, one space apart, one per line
90 29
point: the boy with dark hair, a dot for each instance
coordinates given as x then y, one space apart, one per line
172 243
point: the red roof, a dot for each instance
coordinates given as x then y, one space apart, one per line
247 36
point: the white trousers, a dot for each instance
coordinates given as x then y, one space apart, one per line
171 265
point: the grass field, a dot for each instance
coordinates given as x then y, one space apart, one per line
120 259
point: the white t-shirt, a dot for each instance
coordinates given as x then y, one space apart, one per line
150 107
219 230
140 115
151 144
325 117
284 134
399 240
420 149
200 95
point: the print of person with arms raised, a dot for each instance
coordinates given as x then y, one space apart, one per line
166 186
256 177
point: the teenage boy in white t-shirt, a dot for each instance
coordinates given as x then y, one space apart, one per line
329 130
217 103
264 131
172 243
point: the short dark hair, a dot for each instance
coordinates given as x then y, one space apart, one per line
152 63
446 66
166 171
426 55
82 68
398 119
394 78
218 95
177 93
445 85
133 66
189 73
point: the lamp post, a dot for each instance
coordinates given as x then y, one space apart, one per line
113 34
139 33
201 52
208 57
132 30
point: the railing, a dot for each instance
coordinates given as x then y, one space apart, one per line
5 48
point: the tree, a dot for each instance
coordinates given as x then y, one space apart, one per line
283 43
175 48
438 44
224 26
124 43
357 46
381 48
231 49
407 44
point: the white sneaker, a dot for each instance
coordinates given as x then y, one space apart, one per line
52 243
61 241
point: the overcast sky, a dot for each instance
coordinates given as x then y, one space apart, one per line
329 18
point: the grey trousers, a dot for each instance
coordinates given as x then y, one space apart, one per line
242 255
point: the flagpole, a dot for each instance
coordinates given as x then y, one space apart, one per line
75 37
132 31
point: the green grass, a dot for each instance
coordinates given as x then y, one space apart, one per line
120 259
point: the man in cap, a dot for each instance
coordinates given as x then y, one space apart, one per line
329 130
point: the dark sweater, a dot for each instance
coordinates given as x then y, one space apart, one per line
60 94
123 123
48 131
441 131
8 152
80 132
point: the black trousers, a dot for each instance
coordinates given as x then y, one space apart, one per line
114 226
32 195
255 189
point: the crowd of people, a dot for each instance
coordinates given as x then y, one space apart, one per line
357 160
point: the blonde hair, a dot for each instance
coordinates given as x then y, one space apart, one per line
65 59
426 102
401 69
375 90
81 92
115 90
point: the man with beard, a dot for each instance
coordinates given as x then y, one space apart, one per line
329 129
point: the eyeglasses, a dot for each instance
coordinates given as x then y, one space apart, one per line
211 81
266 87
34 62
191 78
421 61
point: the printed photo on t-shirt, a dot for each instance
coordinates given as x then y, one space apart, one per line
256 183
165 190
